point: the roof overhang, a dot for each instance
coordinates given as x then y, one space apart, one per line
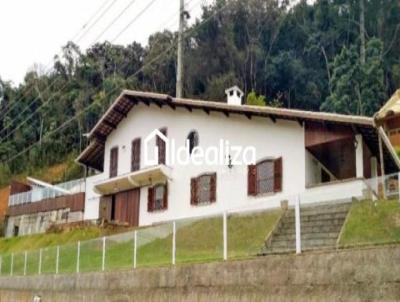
93 155
137 179
390 109
47 185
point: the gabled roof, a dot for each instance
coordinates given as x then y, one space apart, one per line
93 155
391 108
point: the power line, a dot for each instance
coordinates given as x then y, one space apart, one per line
52 96
48 64
48 134
115 19
90 20
133 20
97 20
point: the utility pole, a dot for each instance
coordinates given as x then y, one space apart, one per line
179 69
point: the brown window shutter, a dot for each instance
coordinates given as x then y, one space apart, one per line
278 175
193 191
213 188
166 197
114 162
251 180
161 147
135 155
150 200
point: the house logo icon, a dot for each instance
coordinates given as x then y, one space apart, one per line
151 148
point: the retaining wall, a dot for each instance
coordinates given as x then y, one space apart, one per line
350 275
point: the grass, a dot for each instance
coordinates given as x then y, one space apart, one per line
37 241
372 223
198 240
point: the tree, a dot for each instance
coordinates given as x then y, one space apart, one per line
357 88
254 100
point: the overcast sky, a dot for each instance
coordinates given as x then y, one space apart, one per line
34 31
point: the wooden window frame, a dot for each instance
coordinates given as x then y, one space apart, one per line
113 170
253 188
161 146
194 189
135 157
151 201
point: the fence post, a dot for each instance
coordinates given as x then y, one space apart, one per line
134 248
298 225
40 262
173 242
78 254
57 258
25 260
12 264
103 262
225 235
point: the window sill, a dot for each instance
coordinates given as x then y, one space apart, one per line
203 204
157 211
261 195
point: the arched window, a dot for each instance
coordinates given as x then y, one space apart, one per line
193 138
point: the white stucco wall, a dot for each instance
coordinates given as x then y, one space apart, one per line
92 199
313 170
283 138
335 191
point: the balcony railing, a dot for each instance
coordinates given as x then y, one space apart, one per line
74 186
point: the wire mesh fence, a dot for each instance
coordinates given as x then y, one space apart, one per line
90 255
199 239
154 245
239 233
119 251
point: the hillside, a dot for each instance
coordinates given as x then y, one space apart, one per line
303 56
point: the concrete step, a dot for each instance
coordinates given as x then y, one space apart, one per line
326 222
311 229
325 209
308 243
320 228
319 235
317 217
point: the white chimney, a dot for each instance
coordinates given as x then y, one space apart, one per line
234 95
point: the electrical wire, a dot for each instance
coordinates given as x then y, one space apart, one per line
184 36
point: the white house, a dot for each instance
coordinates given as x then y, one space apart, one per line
295 152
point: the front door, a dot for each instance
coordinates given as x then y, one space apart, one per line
127 207
105 209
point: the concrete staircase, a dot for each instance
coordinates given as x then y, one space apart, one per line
320 228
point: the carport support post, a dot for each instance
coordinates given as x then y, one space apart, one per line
173 243
78 254
103 260
382 162
225 235
298 226
134 248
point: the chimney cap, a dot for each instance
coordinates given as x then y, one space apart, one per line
234 88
